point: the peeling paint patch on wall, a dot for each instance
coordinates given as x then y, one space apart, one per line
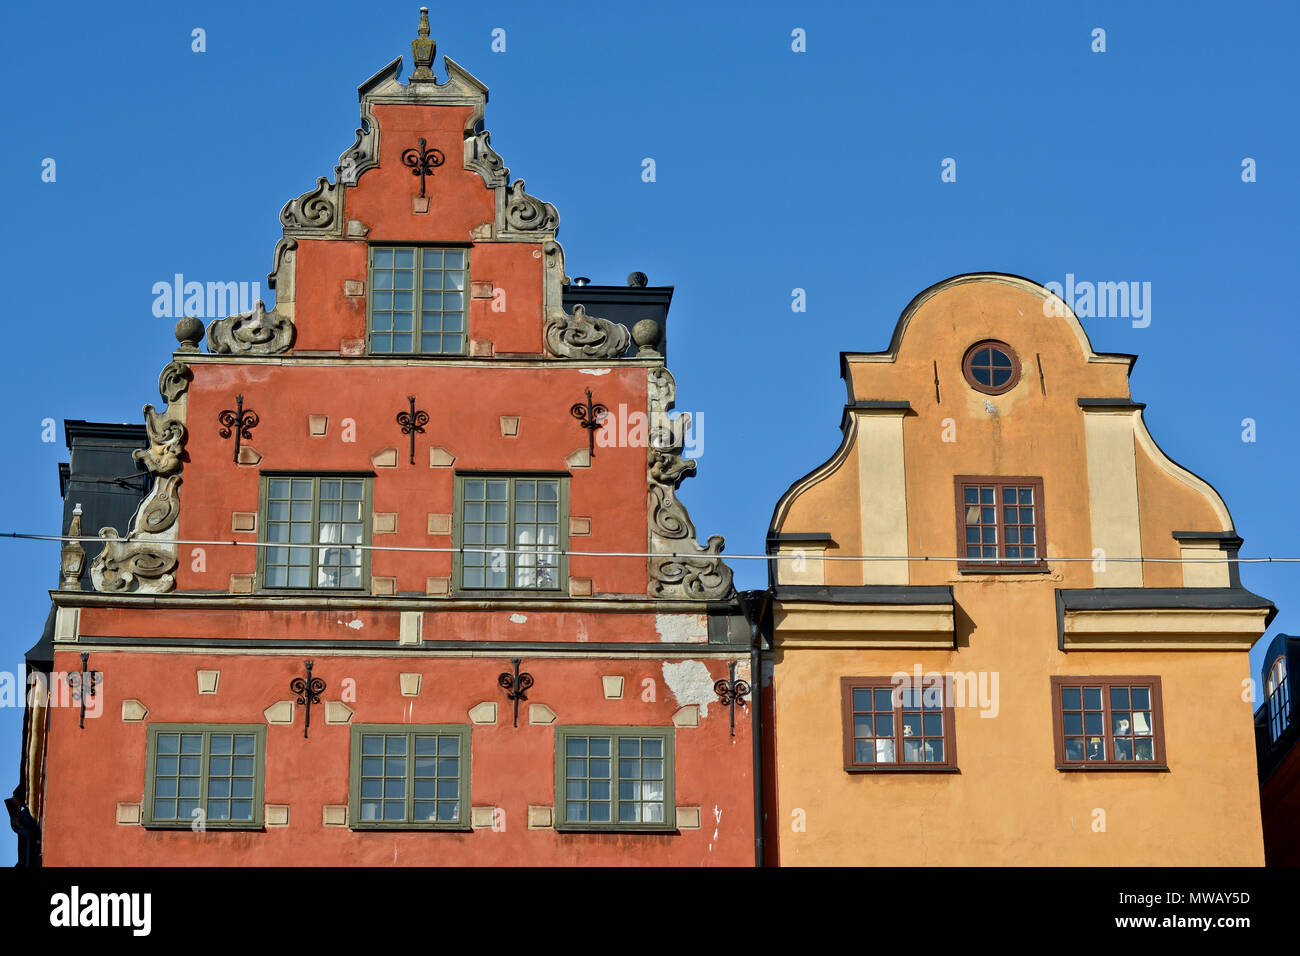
690 683
682 628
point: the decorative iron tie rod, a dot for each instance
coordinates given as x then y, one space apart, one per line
423 161
308 690
239 421
83 685
516 686
412 422
730 691
590 416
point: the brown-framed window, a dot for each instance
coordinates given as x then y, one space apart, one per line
1000 523
1279 699
892 725
991 367
1108 723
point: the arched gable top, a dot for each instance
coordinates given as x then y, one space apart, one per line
1059 309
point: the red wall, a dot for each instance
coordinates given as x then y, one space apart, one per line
465 407
91 771
512 768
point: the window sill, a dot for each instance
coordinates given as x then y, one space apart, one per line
189 825
410 828
423 355
1122 767
299 592
1039 568
902 768
548 594
615 828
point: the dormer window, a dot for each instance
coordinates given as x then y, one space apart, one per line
417 300
991 367
1279 699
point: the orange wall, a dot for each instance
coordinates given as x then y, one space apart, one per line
1008 804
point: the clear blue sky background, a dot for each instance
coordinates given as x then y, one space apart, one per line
775 170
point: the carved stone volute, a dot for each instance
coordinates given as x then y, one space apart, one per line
686 570
251 333
585 336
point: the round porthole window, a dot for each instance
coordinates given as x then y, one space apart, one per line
991 367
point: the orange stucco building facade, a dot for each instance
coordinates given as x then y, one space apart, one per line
1045 661
516 635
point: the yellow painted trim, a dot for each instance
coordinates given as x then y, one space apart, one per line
882 494
802 624
1200 573
1113 511
1164 629
801 565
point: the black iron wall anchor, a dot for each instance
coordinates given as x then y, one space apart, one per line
308 690
590 416
730 691
515 686
239 421
412 422
423 161
83 685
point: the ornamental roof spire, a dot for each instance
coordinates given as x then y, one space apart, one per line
422 51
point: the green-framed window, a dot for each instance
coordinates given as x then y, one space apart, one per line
213 773
614 778
312 526
406 776
417 301
511 532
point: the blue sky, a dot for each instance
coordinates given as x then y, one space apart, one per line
775 170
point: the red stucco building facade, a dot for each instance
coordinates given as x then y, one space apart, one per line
415 508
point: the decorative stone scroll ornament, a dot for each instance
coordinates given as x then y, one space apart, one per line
122 564
584 336
481 158
319 209
361 155
166 443
251 333
525 213
174 381
686 570
145 558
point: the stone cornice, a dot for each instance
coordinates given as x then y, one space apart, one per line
851 626
300 358
272 602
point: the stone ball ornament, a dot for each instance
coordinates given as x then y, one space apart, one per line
646 335
189 331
